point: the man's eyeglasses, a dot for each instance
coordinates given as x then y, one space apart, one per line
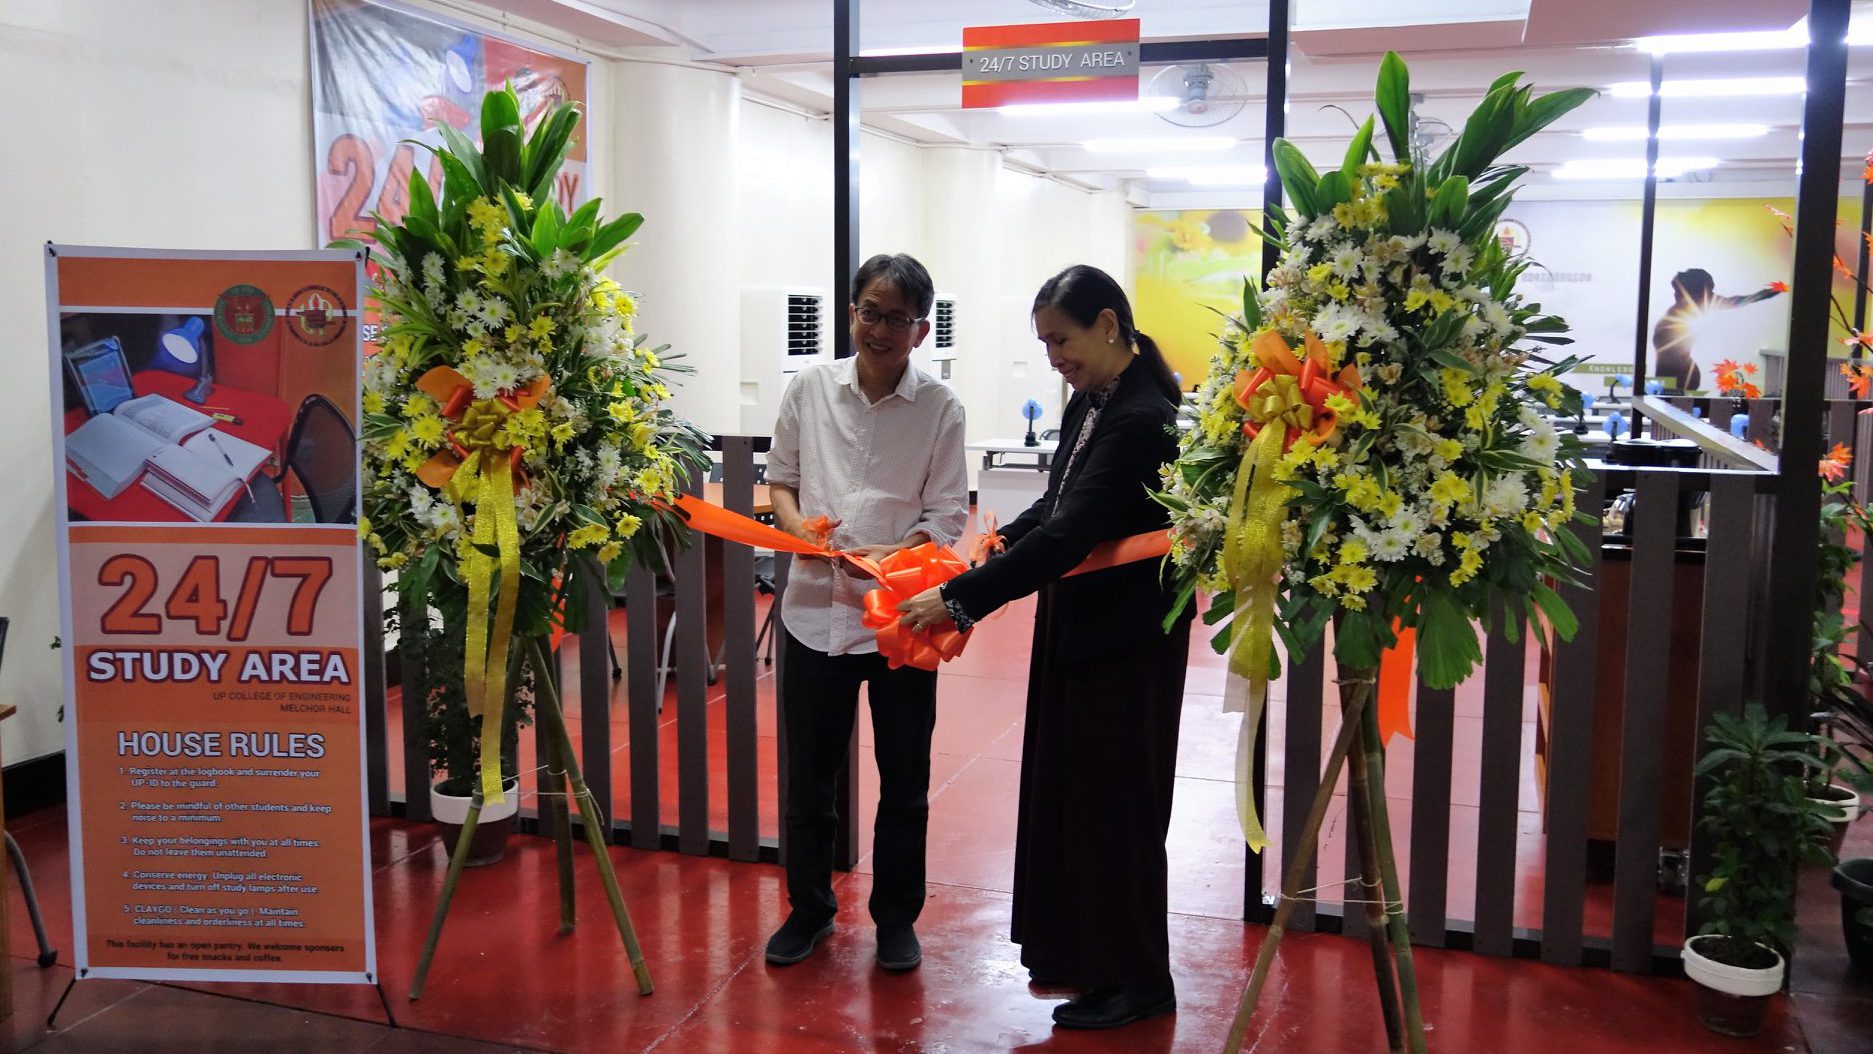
897 320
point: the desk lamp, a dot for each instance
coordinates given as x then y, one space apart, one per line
1739 425
1032 411
181 349
1586 404
1615 424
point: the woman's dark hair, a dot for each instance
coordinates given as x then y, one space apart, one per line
1082 291
1696 282
901 271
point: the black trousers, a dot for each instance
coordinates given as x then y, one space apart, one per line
821 705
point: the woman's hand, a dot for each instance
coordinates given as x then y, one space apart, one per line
925 610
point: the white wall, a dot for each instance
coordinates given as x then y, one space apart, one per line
180 125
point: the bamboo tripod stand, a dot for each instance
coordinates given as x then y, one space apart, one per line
1384 906
561 762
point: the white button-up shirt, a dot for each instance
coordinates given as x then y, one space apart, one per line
884 469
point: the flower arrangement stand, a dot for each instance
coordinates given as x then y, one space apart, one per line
561 759
1371 826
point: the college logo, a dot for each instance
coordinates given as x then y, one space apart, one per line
316 315
1513 234
244 315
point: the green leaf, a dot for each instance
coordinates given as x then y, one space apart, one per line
1558 614
1358 150
1542 112
1298 176
1507 80
1448 203
501 134
458 146
1393 96
612 234
1251 306
1333 189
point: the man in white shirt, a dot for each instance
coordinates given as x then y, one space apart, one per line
875 445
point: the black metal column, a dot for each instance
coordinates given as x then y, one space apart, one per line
1866 247
1648 216
1275 125
845 132
1798 491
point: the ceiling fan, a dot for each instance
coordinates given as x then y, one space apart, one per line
1088 8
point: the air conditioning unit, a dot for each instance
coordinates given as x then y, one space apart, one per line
936 356
782 332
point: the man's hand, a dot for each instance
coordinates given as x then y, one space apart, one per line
874 553
807 530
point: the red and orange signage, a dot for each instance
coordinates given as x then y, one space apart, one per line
213 638
1050 62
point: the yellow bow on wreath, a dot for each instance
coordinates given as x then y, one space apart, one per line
1284 399
479 466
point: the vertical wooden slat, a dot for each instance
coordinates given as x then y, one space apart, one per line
376 720
1428 905
1722 643
1500 800
1839 421
1573 667
595 684
1300 773
1648 642
1721 410
641 658
783 564
744 835
415 687
692 693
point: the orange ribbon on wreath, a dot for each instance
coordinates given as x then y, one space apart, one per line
903 575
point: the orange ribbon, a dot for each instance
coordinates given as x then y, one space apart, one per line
989 542
903 575
454 395
1395 669
1314 382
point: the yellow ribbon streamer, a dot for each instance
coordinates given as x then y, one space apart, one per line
1251 559
486 477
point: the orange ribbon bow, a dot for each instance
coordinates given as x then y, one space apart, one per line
903 575
988 542
1313 382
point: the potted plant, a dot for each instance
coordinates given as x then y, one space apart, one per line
1763 827
1842 713
517 447
451 736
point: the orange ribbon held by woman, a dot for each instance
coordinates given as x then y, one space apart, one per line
903 575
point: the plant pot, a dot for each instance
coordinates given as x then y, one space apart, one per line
1841 805
1731 1000
1854 879
492 827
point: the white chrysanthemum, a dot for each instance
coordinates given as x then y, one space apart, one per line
1505 496
608 465
1431 547
1345 260
1442 242
1390 546
1338 322
1459 261
1498 318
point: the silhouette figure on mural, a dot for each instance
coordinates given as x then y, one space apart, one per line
1695 296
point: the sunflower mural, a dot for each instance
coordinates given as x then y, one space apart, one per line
1188 268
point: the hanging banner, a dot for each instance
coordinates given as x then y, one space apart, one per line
385 79
1050 62
205 409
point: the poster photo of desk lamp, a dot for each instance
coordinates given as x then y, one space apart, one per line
1032 411
185 349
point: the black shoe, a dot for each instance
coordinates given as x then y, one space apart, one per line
796 939
1113 1007
898 948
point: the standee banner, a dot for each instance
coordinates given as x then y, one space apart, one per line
385 79
205 409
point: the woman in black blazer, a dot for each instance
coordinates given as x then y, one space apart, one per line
1105 683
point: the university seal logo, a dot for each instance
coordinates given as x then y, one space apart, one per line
316 315
243 314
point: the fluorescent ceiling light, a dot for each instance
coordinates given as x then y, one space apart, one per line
1712 87
1147 104
1631 132
1630 167
1859 33
1161 145
1212 175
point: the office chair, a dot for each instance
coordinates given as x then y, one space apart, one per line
322 451
47 954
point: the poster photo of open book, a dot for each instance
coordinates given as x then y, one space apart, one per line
185 418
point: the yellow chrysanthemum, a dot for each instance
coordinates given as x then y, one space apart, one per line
587 536
373 402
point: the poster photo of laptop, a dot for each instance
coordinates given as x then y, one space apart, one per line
220 417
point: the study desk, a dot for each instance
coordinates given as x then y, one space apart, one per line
996 453
264 422
712 571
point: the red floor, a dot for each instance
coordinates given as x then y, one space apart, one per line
505 979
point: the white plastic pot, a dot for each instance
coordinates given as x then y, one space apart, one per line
1842 805
1732 980
447 808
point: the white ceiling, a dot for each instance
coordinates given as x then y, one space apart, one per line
1455 48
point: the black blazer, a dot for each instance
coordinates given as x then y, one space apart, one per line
1107 497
